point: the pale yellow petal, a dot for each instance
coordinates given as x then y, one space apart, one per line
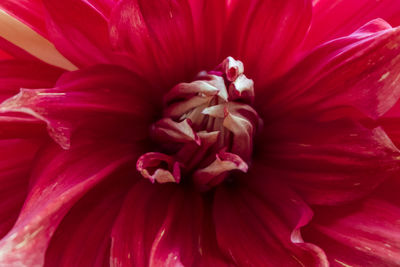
27 39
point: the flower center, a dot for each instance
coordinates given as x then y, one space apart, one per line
206 131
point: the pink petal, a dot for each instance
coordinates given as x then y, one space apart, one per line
333 20
158 225
330 162
265 35
209 21
358 72
31 12
83 235
16 74
259 224
4 55
158 36
78 31
100 101
103 6
364 233
16 158
59 180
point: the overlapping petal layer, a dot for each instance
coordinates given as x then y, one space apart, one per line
59 179
266 214
365 233
330 162
347 75
89 224
338 19
99 101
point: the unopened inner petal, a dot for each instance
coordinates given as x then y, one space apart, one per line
207 129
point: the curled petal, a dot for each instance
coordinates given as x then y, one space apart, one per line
152 166
168 235
59 179
364 233
84 44
100 101
357 73
216 172
171 131
327 25
259 224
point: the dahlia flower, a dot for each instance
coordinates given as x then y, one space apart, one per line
199 133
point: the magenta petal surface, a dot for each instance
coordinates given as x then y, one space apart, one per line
151 152
364 233
91 101
167 236
333 20
16 162
266 34
145 31
16 74
59 179
84 44
259 224
89 224
330 162
358 72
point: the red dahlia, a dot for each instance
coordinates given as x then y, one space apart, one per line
199 133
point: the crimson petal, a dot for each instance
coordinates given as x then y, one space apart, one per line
102 100
265 35
258 223
84 44
145 30
327 24
365 233
330 162
89 224
59 180
16 74
16 159
358 72
166 234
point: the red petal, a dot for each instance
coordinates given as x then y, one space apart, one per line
16 74
357 72
158 225
59 180
4 55
103 6
158 35
259 225
330 162
16 158
79 31
83 235
102 101
31 12
365 233
265 35
345 16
